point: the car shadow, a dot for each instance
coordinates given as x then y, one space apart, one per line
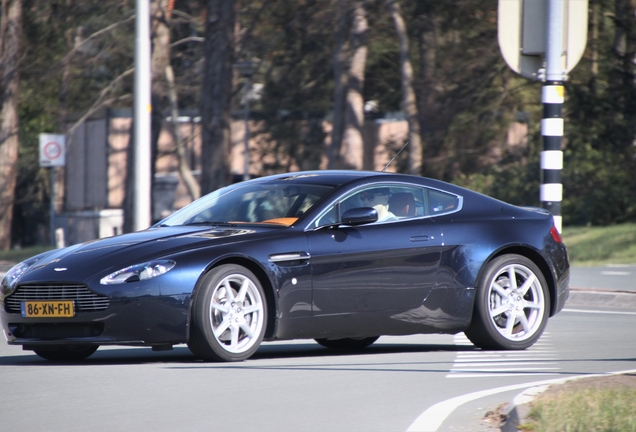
181 354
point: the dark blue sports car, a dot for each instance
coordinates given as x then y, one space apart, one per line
341 257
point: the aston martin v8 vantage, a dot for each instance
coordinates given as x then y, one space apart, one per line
341 257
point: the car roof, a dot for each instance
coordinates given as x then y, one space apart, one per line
327 177
338 178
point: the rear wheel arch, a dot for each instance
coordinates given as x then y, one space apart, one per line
512 304
539 261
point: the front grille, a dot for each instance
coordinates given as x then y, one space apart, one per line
85 299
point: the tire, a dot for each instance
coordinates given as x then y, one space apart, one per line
347 343
229 315
66 352
510 312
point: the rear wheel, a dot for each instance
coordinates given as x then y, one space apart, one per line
347 343
66 352
512 305
228 315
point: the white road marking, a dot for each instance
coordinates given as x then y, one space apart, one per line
599 312
505 363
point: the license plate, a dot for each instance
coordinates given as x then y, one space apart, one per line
48 309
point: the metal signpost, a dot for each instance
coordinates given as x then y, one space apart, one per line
52 154
544 40
143 108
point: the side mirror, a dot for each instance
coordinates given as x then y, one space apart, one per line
359 216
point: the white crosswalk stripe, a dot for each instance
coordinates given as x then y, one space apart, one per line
540 359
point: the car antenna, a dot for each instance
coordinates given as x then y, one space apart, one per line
396 155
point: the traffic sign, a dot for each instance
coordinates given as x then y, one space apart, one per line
52 150
522 33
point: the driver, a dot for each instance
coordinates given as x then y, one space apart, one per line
378 198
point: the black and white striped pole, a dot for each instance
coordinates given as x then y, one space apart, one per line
544 40
552 156
552 97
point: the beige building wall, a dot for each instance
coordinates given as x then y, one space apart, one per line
384 139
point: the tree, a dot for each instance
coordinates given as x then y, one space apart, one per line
600 124
216 94
409 104
10 40
340 83
353 140
294 42
160 12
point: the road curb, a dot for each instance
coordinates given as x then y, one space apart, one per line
621 299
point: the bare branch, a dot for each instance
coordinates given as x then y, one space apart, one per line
100 102
98 33
186 40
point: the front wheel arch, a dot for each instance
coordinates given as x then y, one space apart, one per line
266 284
228 314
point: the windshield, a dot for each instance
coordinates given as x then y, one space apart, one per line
278 203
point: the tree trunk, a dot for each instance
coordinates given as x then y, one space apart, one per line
340 84
594 24
353 141
428 87
409 103
160 14
10 40
216 94
184 169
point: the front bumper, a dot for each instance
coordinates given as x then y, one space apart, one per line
148 320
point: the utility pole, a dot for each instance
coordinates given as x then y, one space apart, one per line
141 118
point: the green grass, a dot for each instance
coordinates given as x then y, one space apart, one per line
605 410
614 244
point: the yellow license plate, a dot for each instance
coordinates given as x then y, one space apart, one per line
48 309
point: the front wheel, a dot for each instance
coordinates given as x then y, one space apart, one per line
66 352
228 315
512 305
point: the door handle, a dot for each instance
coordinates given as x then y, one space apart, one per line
420 238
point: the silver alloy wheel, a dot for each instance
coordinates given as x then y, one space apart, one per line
516 302
236 313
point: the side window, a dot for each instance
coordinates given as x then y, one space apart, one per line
393 203
441 202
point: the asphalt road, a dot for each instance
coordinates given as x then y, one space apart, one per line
300 386
610 277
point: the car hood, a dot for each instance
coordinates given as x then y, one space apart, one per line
80 262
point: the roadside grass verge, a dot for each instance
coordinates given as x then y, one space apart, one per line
614 244
591 406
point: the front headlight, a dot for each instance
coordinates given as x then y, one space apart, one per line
138 272
14 274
